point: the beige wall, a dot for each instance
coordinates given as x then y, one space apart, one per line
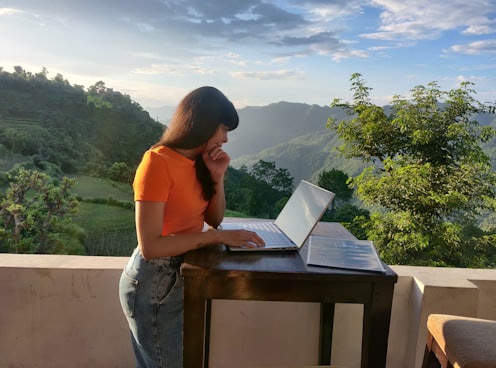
64 311
61 311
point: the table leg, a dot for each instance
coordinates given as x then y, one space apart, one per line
195 329
326 326
208 317
376 319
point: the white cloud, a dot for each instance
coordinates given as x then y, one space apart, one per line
269 75
235 59
145 27
426 19
462 78
476 47
324 11
175 70
346 54
9 11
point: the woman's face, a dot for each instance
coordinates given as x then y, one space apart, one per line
218 139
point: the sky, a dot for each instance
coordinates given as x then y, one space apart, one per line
257 52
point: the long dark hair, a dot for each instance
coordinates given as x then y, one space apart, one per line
195 121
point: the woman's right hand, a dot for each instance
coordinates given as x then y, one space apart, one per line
242 238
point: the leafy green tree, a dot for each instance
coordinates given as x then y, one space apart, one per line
272 185
279 179
337 182
34 214
260 192
352 218
349 215
428 174
120 171
238 192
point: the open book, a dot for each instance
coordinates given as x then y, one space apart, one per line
349 254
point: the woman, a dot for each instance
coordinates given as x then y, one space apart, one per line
178 187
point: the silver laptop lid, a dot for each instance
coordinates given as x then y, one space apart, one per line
303 210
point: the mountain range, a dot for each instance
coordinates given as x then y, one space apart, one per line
295 137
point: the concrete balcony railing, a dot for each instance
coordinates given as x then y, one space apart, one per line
64 311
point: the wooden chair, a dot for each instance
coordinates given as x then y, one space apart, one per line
460 342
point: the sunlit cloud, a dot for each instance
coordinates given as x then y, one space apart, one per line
476 47
269 75
480 29
9 11
235 59
155 69
175 70
474 79
346 54
320 11
426 19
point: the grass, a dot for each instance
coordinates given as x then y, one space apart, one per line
100 218
88 187
110 230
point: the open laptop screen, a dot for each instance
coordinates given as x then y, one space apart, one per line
303 210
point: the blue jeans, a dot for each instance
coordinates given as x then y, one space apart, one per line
151 295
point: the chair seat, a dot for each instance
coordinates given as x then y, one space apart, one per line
466 342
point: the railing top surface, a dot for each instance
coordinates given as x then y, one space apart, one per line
60 261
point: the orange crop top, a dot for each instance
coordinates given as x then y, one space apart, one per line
167 176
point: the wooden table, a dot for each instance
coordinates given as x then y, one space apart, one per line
217 273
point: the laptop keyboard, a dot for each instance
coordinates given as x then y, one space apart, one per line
269 232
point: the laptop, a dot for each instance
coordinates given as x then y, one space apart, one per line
293 225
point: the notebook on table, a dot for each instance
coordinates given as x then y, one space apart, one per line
295 222
351 254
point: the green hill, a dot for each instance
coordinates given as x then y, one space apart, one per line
80 131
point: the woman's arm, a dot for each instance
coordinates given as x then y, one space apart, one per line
214 214
217 162
149 221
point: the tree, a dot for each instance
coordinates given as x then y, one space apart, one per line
261 192
120 171
428 174
273 186
278 179
337 182
33 214
349 215
20 72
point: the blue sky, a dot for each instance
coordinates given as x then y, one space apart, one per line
257 52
